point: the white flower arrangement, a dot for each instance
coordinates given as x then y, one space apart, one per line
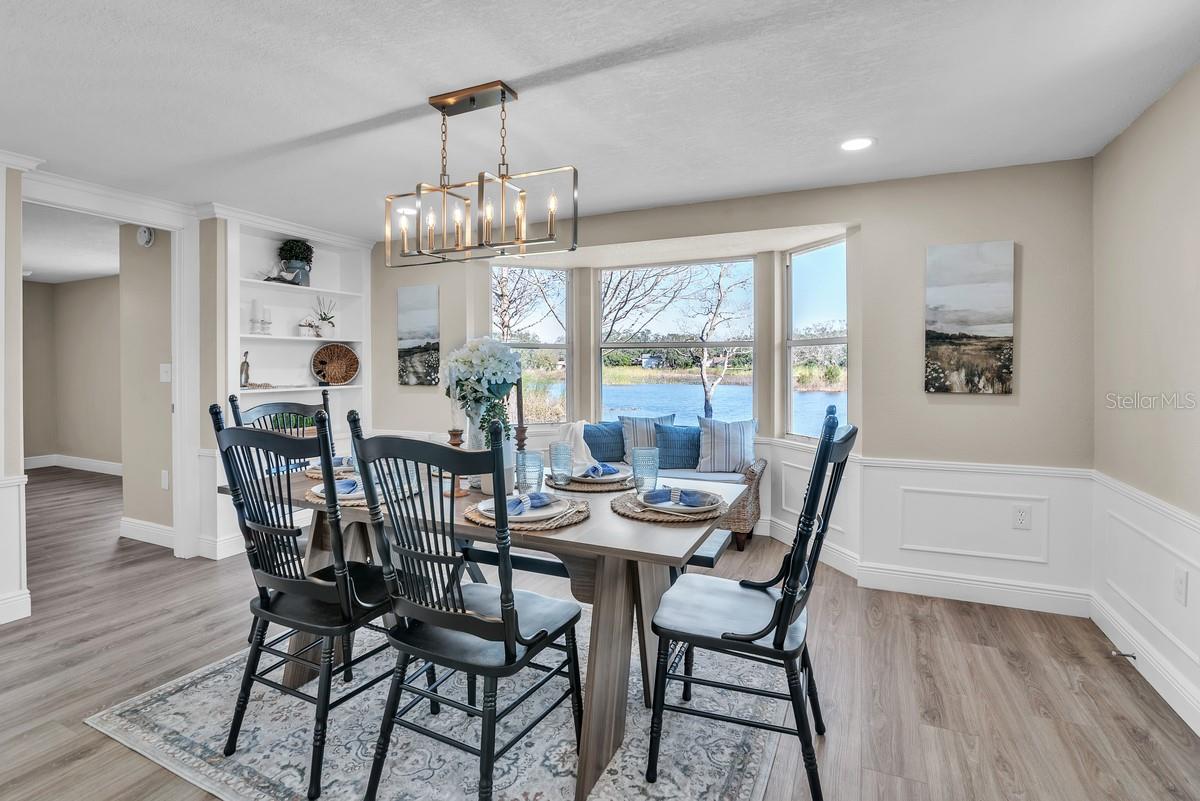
479 376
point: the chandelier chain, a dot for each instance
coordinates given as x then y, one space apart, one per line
445 177
503 137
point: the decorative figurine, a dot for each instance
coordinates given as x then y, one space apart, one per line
245 372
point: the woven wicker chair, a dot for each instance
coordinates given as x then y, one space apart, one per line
743 515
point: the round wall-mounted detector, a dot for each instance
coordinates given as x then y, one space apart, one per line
145 236
26 273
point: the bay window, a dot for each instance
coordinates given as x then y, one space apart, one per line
529 312
817 350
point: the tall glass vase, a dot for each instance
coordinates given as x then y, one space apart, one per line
475 438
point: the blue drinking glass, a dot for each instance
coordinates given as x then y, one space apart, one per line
530 468
645 469
561 462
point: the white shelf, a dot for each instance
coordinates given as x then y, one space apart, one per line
275 286
312 388
315 340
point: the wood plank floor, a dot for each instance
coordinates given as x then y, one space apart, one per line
925 699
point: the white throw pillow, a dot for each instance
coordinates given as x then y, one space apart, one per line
639 432
726 447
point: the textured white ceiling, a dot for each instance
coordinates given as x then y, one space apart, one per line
60 246
312 110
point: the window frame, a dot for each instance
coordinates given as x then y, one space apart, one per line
790 341
602 345
564 346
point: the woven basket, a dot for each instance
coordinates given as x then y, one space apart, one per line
335 363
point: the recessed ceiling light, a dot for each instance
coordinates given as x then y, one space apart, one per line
858 143
26 273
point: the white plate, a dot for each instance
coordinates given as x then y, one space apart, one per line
558 506
319 491
671 506
623 473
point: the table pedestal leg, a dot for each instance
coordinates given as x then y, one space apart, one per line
606 691
650 582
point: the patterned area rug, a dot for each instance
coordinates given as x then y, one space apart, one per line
182 726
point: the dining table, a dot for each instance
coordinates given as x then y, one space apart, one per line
618 565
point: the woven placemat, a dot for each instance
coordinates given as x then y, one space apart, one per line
592 486
315 472
629 506
580 513
313 497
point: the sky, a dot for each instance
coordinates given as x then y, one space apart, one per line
819 286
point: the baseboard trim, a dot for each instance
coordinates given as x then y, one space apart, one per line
978 589
145 531
211 548
14 606
73 463
1182 695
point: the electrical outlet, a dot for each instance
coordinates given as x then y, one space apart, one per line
1181 585
1022 517
166 479
164 373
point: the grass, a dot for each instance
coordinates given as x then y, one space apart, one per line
683 375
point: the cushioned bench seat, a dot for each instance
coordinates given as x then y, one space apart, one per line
696 475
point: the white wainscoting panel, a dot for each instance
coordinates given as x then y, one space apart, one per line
14 591
1140 544
219 536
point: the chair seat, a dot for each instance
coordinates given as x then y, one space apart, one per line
700 608
466 652
325 619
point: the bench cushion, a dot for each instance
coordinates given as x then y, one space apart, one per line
729 478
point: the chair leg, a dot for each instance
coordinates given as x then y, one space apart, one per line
814 702
796 690
472 690
576 685
430 679
347 658
487 739
324 680
660 692
388 723
689 655
239 710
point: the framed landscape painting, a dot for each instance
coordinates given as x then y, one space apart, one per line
418 335
969 318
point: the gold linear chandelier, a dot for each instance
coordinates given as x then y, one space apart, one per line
500 214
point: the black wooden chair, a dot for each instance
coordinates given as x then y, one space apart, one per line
332 602
756 620
282 418
478 629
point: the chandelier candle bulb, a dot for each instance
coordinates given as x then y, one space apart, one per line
458 220
551 208
519 222
488 211
403 234
430 224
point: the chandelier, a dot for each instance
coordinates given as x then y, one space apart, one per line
496 214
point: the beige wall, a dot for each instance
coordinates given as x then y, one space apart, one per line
40 393
1147 268
146 402
1045 208
463 307
87 362
13 456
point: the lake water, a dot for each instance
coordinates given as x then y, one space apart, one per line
730 402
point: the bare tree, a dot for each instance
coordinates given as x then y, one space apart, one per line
717 302
632 299
522 298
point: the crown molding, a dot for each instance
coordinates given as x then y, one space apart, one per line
61 191
319 235
17 161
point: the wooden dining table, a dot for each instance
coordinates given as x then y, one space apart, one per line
618 565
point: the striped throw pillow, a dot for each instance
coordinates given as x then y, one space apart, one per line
639 432
726 447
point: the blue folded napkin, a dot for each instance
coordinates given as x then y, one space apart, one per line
523 503
602 469
343 461
346 486
675 494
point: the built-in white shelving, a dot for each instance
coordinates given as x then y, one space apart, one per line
341 272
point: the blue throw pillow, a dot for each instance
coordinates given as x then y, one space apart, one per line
678 446
605 440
